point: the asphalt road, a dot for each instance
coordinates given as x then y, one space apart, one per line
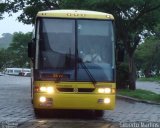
16 109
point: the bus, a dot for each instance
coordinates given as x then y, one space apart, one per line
61 77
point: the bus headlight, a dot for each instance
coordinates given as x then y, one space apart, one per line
47 89
50 90
104 90
43 89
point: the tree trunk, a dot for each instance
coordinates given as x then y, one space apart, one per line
132 73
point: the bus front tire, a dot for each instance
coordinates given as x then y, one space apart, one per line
38 112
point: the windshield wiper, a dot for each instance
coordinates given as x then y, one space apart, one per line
89 73
86 69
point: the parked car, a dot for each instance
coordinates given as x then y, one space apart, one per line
27 74
16 71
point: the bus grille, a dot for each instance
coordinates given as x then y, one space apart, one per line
65 89
81 90
85 89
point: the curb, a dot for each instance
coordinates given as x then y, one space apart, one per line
136 100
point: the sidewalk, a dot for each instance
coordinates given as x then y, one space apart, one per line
150 86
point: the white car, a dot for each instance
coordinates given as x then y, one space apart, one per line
27 74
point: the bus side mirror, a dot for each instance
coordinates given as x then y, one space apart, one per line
31 49
120 55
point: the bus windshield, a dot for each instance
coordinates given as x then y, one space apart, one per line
65 44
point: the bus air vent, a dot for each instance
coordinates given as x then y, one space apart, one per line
81 90
86 89
65 89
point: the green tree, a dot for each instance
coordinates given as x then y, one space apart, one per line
29 8
5 40
5 59
147 56
18 49
2 9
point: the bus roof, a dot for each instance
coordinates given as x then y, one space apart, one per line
82 14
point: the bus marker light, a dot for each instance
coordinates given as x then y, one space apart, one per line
108 16
76 14
69 14
113 90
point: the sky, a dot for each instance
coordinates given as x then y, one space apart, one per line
11 25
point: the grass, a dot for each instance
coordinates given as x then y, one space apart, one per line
140 94
151 79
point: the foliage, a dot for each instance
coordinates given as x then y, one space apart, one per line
29 8
5 40
19 48
5 58
2 9
140 94
147 56
16 54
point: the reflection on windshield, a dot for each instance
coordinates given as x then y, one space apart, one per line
57 45
94 46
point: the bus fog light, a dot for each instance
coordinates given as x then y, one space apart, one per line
107 100
42 99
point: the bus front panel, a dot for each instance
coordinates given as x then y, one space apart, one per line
74 96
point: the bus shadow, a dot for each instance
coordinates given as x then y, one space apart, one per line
67 114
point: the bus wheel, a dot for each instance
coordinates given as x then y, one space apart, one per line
38 112
99 113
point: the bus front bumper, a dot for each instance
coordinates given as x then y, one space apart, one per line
74 101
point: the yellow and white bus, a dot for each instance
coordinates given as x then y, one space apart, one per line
62 78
